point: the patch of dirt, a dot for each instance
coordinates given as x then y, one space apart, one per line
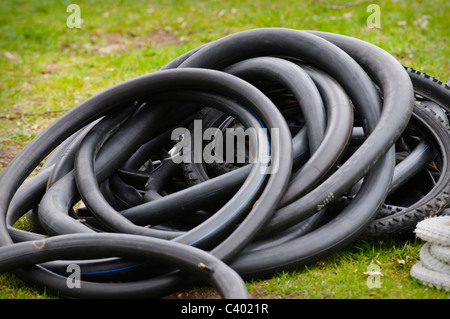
122 42
7 153
210 293
199 293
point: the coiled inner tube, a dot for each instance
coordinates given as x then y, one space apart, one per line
115 197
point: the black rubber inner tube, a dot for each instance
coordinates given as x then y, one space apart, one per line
194 261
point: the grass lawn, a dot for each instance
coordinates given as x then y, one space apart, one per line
47 68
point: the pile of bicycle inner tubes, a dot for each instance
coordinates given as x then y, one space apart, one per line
263 151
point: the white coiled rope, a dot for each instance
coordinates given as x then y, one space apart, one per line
433 269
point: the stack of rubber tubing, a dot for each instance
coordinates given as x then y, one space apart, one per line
433 268
361 152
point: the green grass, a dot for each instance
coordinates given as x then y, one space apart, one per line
47 68
341 275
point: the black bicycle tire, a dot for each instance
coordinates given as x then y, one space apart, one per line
403 222
430 87
427 88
